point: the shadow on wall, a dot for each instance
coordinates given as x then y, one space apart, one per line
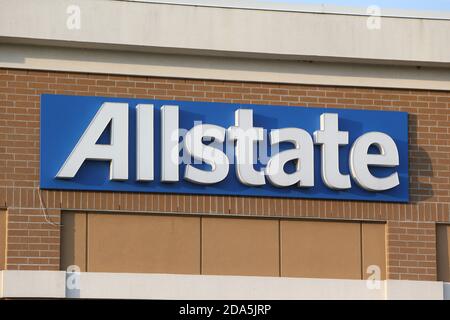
421 188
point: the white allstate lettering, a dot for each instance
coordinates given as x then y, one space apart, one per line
242 137
330 138
87 148
169 136
218 160
245 136
302 154
360 160
144 142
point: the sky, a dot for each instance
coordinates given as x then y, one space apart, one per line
435 5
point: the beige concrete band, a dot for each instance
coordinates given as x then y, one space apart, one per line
219 68
228 31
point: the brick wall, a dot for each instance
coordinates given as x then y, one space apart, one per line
33 242
411 250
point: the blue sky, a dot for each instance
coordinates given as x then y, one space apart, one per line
439 5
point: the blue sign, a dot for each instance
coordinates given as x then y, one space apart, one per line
123 144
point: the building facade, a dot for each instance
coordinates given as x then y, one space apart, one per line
222 246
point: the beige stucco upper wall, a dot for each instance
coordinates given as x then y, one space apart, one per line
228 31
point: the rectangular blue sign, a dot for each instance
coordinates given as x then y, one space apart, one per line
95 143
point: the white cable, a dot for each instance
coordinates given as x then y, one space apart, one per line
44 210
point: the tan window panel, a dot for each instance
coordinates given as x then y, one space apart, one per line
318 249
3 228
373 250
240 247
443 252
73 240
143 243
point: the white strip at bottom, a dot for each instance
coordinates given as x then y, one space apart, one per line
95 285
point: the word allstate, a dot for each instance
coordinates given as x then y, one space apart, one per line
244 136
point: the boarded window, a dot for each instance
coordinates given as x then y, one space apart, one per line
335 250
99 242
240 246
443 252
3 228
131 243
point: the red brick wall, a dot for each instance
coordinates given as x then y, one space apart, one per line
33 242
411 250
